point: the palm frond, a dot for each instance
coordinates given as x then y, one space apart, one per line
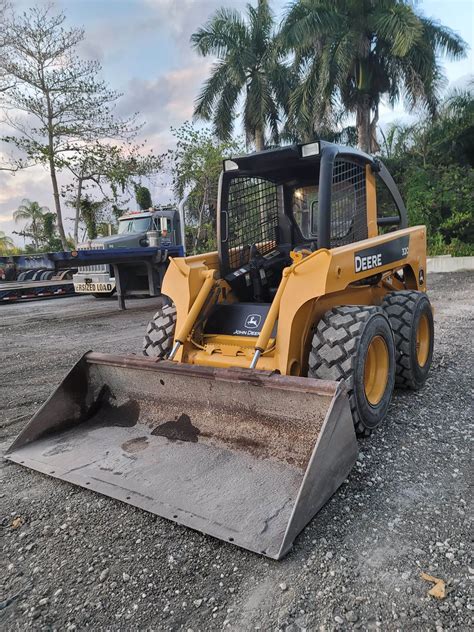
443 39
211 90
398 25
225 31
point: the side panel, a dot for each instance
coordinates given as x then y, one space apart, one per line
371 196
329 274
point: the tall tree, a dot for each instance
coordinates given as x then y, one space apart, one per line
110 169
4 38
65 103
195 166
6 242
143 197
33 214
249 67
352 53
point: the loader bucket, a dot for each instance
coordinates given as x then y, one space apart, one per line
245 456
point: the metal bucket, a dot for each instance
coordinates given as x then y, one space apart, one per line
245 456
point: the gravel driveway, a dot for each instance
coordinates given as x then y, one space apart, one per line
77 560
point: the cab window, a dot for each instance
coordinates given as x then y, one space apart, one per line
139 225
305 210
157 224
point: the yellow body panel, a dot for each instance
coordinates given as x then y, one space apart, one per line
312 285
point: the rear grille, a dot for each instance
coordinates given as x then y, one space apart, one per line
102 268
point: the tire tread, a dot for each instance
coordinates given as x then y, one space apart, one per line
158 338
399 307
332 356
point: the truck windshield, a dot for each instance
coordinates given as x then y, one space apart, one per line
139 225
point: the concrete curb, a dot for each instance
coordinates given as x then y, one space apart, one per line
447 263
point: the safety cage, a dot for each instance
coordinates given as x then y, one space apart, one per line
261 212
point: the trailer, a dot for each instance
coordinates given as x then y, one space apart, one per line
136 271
12 291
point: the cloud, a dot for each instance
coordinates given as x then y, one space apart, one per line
185 16
165 101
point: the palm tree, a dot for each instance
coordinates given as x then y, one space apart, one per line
352 53
248 67
6 243
33 213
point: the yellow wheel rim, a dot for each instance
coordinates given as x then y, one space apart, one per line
376 370
423 340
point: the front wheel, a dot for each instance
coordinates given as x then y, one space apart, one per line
159 335
355 344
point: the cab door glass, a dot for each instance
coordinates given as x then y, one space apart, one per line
305 210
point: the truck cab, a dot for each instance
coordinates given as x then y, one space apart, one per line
155 227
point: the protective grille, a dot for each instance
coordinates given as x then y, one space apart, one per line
252 218
348 204
101 267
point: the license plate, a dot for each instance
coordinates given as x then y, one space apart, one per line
93 288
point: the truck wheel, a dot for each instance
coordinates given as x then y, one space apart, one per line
355 344
103 294
411 318
159 336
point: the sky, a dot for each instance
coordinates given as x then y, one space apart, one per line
143 47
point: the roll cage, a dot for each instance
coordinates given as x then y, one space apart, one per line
256 195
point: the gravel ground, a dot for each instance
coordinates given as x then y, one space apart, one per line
79 560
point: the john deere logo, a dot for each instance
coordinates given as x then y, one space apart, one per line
252 321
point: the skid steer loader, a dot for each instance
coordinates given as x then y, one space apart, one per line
267 359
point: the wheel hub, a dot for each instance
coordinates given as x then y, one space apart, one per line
376 370
422 340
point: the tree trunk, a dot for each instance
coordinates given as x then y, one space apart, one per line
374 145
34 234
363 123
52 171
78 210
259 140
57 202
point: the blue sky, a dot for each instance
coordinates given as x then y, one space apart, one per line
143 46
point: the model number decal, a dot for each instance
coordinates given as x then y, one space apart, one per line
381 255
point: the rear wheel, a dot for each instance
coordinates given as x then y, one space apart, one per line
411 318
355 344
159 335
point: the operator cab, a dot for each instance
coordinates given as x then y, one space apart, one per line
298 197
158 226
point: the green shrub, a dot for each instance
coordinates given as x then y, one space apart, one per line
442 198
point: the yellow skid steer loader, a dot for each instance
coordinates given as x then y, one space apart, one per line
266 359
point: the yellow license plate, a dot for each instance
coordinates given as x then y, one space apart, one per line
93 288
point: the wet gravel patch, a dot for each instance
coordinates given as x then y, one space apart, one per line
73 560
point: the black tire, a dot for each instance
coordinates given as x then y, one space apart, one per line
38 274
339 351
159 335
103 294
405 310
